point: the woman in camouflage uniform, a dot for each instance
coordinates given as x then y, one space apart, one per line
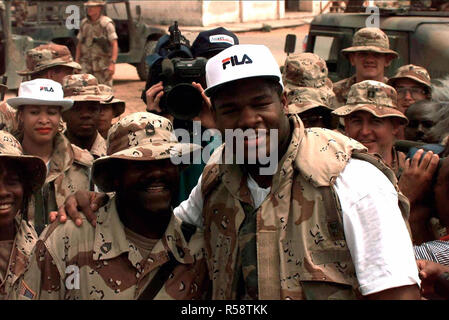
20 176
39 107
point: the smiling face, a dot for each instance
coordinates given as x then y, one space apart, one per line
370 65
82 119
148 186
94 12
252 105
40 123
377 134
11 193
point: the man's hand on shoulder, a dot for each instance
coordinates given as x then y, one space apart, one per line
81 202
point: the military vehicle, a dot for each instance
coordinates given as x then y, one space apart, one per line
12 48
420 38
47 21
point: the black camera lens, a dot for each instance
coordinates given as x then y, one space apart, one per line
184 101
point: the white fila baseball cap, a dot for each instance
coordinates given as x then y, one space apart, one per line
40 92
240 62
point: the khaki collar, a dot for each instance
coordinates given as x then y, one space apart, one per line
110 241
98 147
62 157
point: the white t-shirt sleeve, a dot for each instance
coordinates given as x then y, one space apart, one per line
190 210
375 231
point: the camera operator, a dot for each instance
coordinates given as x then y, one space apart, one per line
206 45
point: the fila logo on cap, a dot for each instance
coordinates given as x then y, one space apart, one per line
234 61
46 89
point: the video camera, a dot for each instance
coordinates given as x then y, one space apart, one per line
181 99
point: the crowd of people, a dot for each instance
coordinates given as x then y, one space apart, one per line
356 209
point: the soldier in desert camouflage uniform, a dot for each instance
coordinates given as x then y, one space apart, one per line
370 54
136 234
39 106
82 118
20 176
280 235
97 48
372 117
309 90
48 61
412 83
108 111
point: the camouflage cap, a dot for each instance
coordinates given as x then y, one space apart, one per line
370 39
117 105
302 99
83 87
375 97
140 136
415 73
305 70
94 3
34 167
46 56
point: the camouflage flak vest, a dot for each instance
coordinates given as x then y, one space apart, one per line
297 240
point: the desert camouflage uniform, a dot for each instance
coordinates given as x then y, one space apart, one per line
412 72
47 56
8 121
15 253
19 258
85 87
380 100
305 70
293 245
305 77
95 58
69 171
392 4
302 99
111 266
99 147
342 87
365 39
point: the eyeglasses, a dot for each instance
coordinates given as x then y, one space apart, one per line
415 92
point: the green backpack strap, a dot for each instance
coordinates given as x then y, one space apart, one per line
333 213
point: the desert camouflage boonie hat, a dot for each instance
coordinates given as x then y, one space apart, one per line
302 99
415 73
34 167
46 56
140 136
305 70
93 3
83 87
117 105
370 39
375 97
